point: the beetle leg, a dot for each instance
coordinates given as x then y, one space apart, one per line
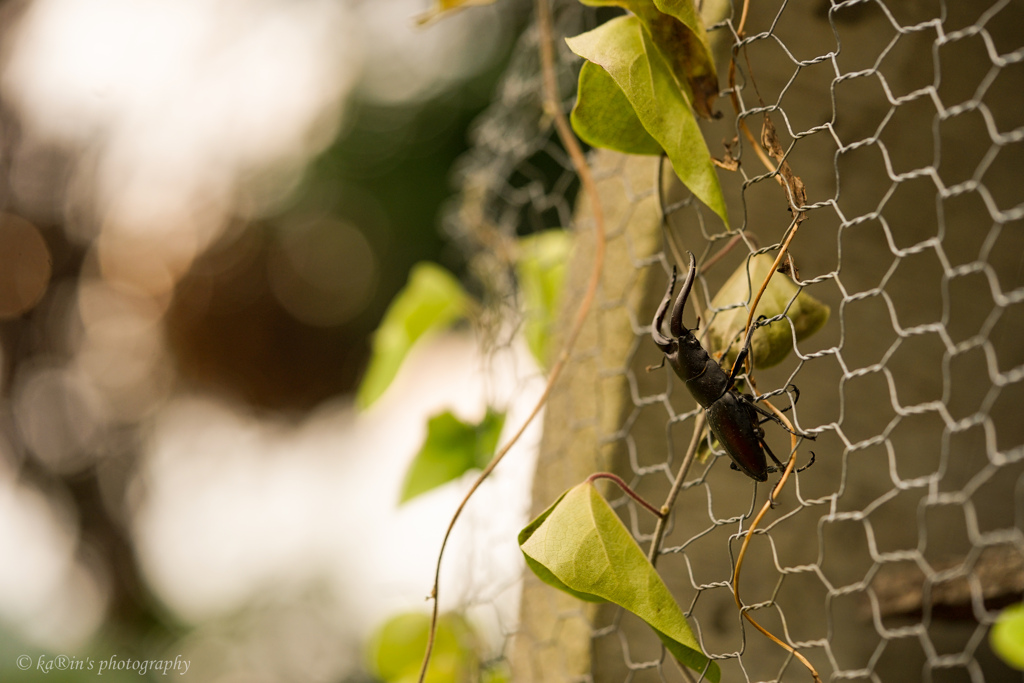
675 324
795 399
664 343
737 365
774 418
782 467
764 444
659 366
761 422
742 355
809 463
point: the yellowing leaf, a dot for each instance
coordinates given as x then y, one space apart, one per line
451 449
678 32
771 343
580 546
442 7
682 39
541 271
624 49
432 300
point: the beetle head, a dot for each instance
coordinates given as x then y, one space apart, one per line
670 345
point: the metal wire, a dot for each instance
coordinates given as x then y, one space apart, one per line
891 557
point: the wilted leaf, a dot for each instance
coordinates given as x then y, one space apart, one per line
451 449
624 49
396 650
603 117
541 271
683 40
771 343
580 546
1007 636
796 195
432 300
442 7
680 36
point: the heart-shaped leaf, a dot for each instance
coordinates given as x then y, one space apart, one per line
625 49
451 449
432 300
771 343
580 546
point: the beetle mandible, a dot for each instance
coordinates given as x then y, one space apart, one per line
734 418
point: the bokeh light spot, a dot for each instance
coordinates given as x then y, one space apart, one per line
24 266
322 271
57 414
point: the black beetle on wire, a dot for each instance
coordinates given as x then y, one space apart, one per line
734 418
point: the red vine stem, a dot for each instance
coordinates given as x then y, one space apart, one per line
552 108
625 487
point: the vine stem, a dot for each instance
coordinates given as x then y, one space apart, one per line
746 542
741 30
749 330
553 108
660 514
677 485
772 168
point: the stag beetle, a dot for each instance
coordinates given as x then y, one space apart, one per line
734 418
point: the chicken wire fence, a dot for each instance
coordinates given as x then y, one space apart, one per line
889 559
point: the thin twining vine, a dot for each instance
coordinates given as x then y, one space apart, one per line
553 109
685 83
746 542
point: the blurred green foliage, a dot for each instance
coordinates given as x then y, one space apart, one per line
1007 636
451 449
431 301
395 652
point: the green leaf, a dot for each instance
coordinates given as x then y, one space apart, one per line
678 32
580 546
1007 636
496 673
541 270
624 49
771 343
395 651
432 300
451 449
603 117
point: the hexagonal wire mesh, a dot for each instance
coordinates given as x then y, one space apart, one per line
888 559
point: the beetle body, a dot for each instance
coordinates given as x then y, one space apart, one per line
733 417
735 424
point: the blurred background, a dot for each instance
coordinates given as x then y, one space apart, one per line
205 207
